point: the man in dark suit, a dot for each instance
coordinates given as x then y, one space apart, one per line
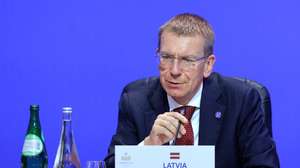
225 112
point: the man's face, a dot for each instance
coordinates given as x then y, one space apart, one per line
180 82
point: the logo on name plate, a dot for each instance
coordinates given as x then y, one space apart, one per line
125 160
125 157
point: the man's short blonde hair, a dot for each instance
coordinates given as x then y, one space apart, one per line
187 24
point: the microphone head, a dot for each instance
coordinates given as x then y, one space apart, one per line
180 110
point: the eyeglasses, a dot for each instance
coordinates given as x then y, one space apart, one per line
186 63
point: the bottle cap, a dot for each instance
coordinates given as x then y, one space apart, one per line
67 109
34 107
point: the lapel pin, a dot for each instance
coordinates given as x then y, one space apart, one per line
218 115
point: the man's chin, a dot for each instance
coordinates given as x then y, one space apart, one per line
178 99
174 94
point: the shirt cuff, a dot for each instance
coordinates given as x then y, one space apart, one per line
141 143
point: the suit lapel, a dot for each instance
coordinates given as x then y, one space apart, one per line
159 104
211 111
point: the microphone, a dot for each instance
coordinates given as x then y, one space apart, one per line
181 111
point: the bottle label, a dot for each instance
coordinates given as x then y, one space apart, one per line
33 145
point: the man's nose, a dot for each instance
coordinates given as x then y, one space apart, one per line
175 68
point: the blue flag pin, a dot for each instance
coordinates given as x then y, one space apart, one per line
218 115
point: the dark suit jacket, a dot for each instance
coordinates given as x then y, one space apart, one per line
240 136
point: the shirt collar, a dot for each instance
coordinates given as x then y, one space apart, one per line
195 101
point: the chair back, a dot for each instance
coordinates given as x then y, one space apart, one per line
265 101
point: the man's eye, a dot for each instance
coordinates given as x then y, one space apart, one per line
188 59
166 56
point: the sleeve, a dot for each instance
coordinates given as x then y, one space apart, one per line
126 133
256 145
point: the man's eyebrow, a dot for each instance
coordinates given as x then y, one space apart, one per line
181 56
190 56
164 52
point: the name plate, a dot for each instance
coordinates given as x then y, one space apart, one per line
164 156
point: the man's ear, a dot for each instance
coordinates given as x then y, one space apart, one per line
209 64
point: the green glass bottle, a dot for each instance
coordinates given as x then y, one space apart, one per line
34 154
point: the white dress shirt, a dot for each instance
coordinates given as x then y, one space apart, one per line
195 101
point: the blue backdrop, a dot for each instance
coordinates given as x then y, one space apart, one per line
82 53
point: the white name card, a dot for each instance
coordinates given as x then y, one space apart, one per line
164 156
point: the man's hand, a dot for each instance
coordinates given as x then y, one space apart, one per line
165 127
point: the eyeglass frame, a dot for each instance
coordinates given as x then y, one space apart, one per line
189 64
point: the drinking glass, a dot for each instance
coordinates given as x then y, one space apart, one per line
95 164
